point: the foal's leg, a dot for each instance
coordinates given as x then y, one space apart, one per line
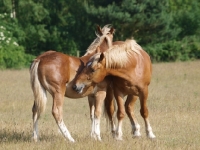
120 114
144 112
35 123
57 111
129 106
99 98
91 101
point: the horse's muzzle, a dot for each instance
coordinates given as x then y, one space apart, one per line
78 88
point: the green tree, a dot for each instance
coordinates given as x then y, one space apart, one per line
12 55
145 20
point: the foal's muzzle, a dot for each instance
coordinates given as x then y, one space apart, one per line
78 88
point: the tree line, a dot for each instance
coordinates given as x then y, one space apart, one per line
168 30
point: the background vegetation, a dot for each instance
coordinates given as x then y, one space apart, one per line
168 30
173 104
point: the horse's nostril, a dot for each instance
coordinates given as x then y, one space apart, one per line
74 87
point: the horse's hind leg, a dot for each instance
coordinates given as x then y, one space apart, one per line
120 113
35 123
57 111
144 112
110 109
129 107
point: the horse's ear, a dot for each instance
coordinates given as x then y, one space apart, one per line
101 57
112 30
98 49
99 31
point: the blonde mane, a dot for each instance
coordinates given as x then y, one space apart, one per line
98 41
117 56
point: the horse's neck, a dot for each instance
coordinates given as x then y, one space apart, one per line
104 46
122 73
86 58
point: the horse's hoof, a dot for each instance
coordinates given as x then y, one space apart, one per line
151 136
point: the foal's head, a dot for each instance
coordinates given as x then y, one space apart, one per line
94 72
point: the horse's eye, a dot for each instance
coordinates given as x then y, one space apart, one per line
92 70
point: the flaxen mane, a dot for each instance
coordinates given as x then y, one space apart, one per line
118 56
97 42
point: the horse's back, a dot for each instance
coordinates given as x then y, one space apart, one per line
55 69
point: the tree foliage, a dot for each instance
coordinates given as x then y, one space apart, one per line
168 30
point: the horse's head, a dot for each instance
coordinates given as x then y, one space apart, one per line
106 33
103 41
94 72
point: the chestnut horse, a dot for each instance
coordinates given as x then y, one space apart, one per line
130 67
55 72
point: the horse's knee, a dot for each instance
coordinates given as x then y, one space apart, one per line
120 115
97 113
128 109
110 110
144 112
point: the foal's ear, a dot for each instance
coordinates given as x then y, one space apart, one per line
112 30
99 31
101 57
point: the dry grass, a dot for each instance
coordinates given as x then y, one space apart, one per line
173 104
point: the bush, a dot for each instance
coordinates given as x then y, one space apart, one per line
11 54
186 49
13 57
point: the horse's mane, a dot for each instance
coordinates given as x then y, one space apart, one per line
118 56
97 42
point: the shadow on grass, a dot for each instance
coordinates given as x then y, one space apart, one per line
13 136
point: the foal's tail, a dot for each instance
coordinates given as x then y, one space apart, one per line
39 92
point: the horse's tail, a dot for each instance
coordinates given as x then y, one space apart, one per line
39 92
113 116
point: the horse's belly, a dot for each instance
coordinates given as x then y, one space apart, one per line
127 88
132 90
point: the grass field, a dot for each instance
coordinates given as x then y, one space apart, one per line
174 106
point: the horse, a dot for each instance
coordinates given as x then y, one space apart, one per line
131 69
55 72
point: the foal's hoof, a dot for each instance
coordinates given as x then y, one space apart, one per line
96 137
34 139
71 140
152 137
136 134
118 138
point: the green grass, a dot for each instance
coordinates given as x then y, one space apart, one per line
173 105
